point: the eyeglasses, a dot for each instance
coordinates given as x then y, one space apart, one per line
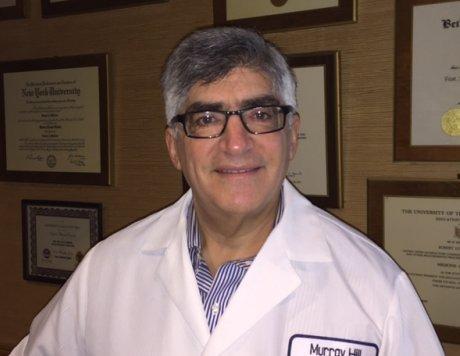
211 124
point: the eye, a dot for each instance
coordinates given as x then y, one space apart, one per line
262 114
203 119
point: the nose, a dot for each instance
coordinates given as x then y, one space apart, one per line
236 139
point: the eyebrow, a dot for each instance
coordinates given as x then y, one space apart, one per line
203 106
264 100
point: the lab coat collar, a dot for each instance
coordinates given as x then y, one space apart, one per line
301 228
175 268
270 279
173 218
299 217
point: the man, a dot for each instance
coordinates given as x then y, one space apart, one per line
242 264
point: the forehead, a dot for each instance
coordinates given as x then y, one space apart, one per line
237 87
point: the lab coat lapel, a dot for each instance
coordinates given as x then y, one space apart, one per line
176 273
272 277
269 280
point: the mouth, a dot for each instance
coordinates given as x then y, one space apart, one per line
236 171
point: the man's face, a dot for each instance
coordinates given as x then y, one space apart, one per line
238 172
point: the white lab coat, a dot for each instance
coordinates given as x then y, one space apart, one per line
135 294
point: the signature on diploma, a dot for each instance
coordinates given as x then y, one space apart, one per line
34 157
294 174
77 160
295 177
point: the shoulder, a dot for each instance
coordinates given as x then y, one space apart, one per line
349 263
353 250
149 235
352 254
132 251
356 278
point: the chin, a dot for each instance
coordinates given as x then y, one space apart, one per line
243 204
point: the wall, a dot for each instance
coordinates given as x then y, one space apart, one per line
138 40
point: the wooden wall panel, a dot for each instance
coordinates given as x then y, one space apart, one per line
138 39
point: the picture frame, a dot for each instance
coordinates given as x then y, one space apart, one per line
56 236
417 223
427 72
280 15
55 8
54 125
14 9
316 169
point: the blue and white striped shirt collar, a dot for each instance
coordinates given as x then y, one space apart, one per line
194 243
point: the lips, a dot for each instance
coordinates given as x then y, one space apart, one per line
237 170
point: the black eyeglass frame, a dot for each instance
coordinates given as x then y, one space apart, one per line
285 109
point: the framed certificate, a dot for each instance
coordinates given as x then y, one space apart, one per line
427 82
276 15
51 8
11 9
316 168
418 224
54 120
56 236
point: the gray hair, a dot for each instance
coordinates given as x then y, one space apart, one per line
208 55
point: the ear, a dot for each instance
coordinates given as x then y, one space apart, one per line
171 143
294 130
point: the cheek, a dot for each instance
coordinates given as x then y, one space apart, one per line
196 157
277 155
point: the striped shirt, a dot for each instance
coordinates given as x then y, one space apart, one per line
216 292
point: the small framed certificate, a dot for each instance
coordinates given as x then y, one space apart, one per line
418 224
316 168
56 236
54 120
11 9
427 81
52 8
279 15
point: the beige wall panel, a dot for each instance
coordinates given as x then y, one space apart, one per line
138 40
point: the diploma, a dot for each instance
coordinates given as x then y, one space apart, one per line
308 169
56 236
55 120
61 241
276 15
7 3
315 169
52 120
11 9
238 9
423 235
436 75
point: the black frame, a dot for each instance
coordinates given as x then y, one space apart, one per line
330 62
403 150
12 12
378 189
70 7
92 60
32 208
343 13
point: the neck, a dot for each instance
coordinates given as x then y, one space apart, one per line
227 237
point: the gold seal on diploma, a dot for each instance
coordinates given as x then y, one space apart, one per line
451 122
279 3
457 231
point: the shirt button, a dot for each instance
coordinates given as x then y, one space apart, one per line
215 308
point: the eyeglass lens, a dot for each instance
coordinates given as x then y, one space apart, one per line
256 120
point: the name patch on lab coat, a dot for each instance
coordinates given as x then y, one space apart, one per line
311 345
